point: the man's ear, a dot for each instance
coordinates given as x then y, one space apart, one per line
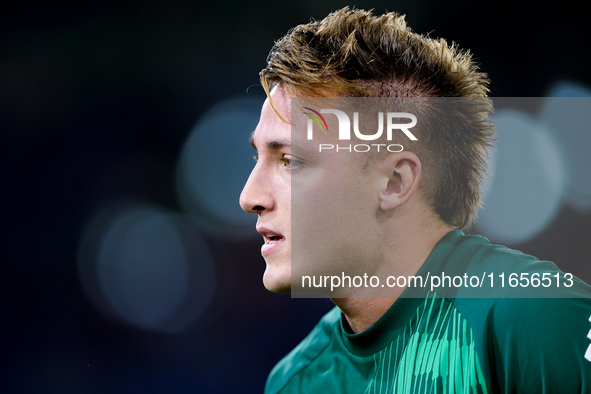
403 170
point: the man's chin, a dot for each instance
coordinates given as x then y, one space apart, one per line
277 285
280 290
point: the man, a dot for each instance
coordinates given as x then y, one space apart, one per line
397 213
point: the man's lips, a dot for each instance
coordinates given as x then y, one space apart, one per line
273 240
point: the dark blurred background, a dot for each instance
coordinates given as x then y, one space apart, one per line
127 264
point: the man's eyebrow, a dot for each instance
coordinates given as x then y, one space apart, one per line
271 145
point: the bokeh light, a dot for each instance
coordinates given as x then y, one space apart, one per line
214 166
568 113
529 179
144 266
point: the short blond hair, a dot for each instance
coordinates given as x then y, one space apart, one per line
352 53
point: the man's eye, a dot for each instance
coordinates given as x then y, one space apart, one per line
291 163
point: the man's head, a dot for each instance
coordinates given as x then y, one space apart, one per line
353 54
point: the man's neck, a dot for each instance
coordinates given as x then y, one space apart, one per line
362 313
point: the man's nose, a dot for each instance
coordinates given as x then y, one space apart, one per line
256 196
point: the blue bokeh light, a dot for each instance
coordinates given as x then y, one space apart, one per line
568 114
529 179
214 166
143 266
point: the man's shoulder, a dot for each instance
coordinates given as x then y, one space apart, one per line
470 266
476 252
508 284
528 316
303 355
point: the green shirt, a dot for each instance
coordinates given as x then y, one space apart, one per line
435 344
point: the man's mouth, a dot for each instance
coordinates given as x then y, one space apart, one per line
273 240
